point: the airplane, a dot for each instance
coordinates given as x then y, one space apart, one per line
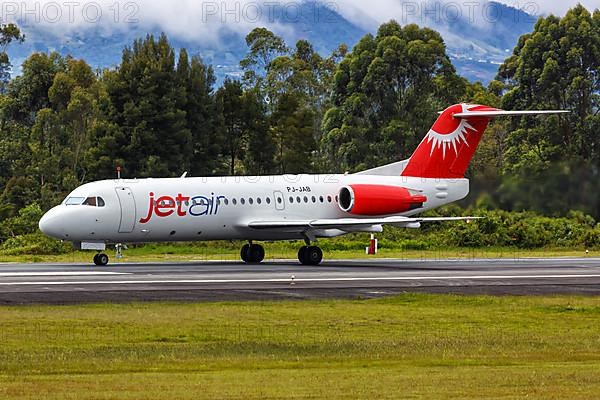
273 208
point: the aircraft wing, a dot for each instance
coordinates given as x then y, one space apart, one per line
348 223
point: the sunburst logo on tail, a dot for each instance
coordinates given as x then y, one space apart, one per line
448 132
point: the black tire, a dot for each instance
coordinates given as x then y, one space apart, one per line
102 259
313 255
96 259
244 253
256 253
302 255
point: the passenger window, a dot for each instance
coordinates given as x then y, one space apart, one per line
291 200
305 199
298 199
251 201
234 201
321 199
258 200
269 200
226 202
329 199
242 201
166 203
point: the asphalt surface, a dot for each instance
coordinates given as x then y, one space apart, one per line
225 281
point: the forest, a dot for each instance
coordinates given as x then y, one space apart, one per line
160 113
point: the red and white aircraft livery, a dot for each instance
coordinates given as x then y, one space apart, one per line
288 207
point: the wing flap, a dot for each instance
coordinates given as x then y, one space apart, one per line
345 223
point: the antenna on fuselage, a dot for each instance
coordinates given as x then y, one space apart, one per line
184 175
118 172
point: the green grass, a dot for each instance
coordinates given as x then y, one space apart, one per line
228 251
410 346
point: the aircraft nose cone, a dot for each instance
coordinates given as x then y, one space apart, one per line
50 224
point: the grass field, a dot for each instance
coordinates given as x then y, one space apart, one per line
228 251
411 346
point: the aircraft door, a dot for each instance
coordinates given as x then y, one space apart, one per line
279 200
128 211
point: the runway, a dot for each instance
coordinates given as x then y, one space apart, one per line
226 281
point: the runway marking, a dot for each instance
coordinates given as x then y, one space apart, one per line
296 280
59 273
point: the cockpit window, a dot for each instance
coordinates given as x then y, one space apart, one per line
74 201
90 201
94 202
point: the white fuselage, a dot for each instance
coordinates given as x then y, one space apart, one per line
220 208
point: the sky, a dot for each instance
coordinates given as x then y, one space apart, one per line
378 11
206 20
556 7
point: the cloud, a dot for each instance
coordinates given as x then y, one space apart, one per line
207 21
187 19
546 7
371 13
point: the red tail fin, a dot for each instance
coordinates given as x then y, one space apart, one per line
448 147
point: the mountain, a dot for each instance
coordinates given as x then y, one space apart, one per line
476 47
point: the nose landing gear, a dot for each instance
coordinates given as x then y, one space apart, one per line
252 253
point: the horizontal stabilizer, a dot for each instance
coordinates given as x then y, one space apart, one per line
502 113
449 146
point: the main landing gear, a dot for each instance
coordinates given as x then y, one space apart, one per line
310 255
101 259
252 253
307 255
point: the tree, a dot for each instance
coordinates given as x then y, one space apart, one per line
30 90
556 66
200 114
145 93
264 46
386 93
8 34
229 103
293 126
260 151
65 135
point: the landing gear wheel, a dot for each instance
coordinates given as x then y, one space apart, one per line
252 253
310 255
101 259
302 254
257 253
244 253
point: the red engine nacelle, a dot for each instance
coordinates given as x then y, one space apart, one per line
378 200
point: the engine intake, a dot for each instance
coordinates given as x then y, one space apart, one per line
378 199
